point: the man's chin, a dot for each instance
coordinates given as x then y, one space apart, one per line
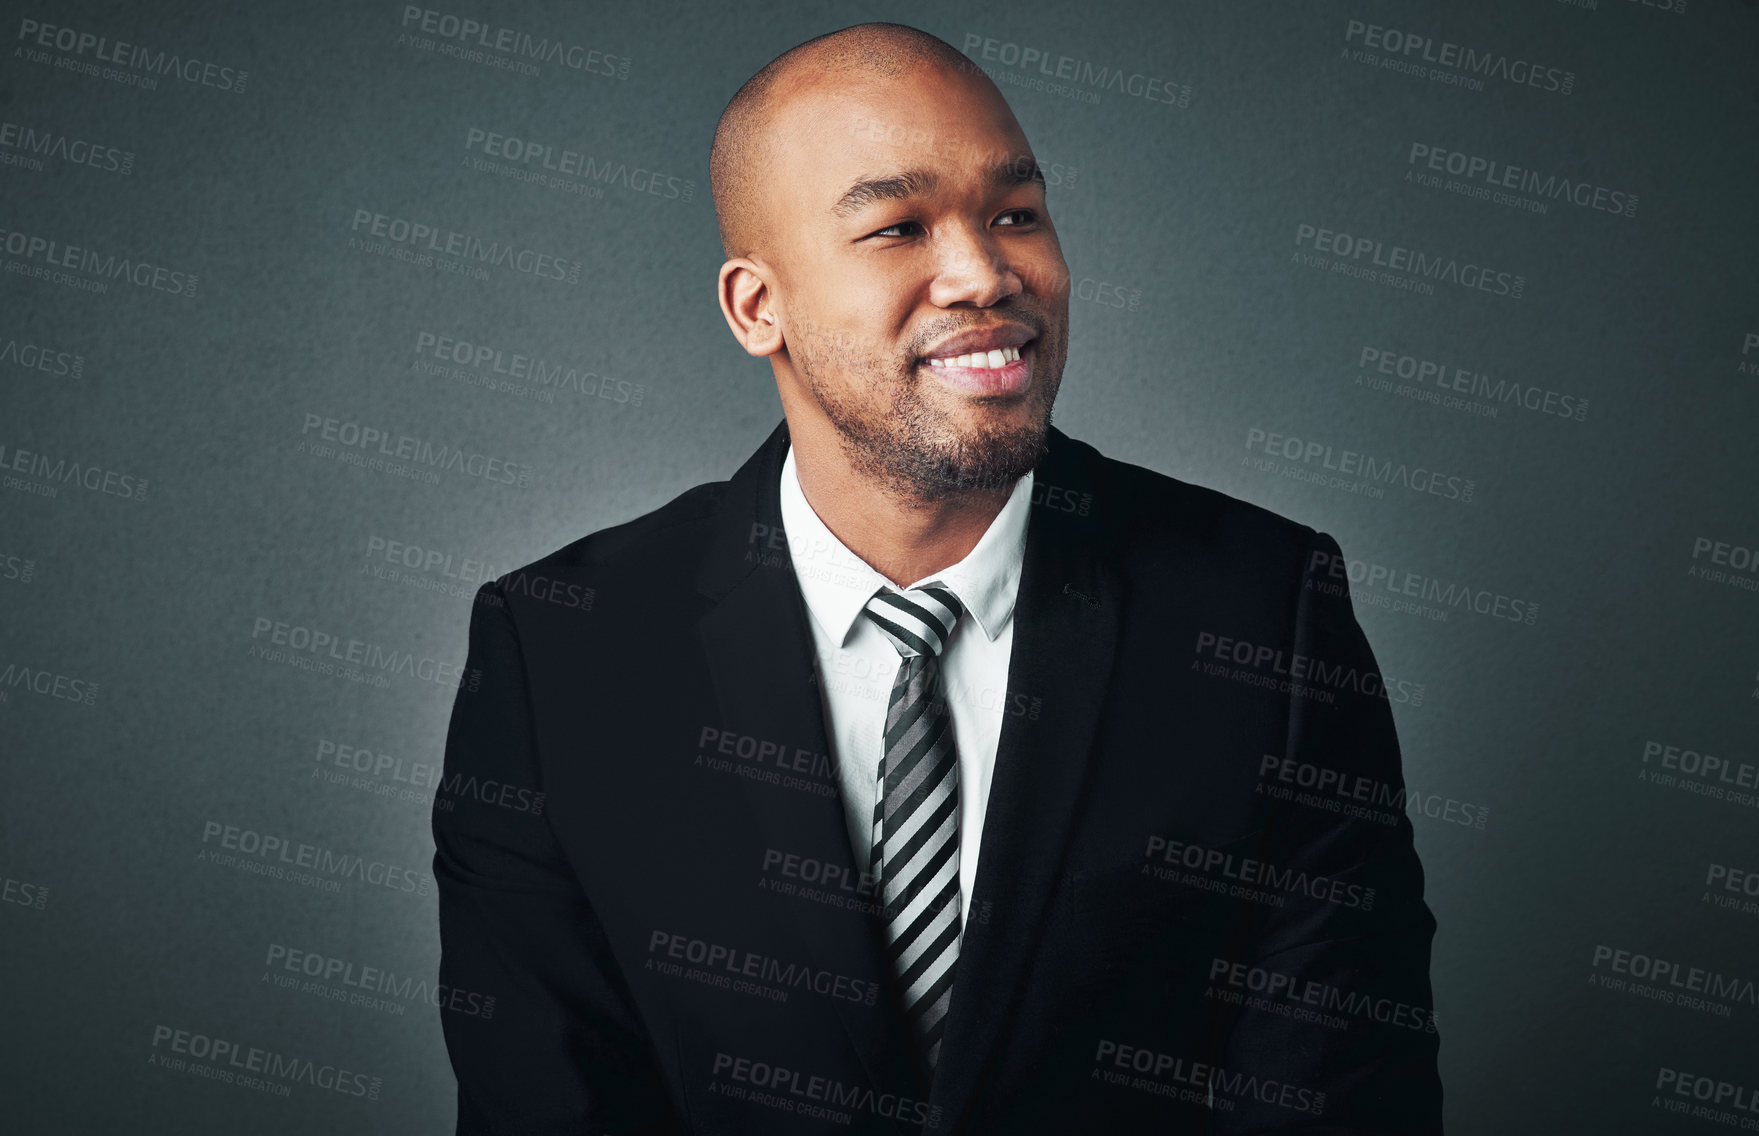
991 460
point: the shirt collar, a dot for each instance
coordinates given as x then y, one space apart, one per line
837 584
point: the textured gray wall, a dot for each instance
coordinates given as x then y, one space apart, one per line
168 500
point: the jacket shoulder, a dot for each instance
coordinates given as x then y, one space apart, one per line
1151 509
663 535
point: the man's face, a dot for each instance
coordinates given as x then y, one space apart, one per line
909 226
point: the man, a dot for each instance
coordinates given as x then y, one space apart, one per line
935 773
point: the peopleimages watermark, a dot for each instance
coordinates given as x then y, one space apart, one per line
26 146
377 775
355 443
809 1094
140 66
1063 75
1723 562
42 477
222 1059
1667 981
1350 470
426 569
1488 178
44 258
1458 388
369 987
427 245
1196 1082
309 648
1444 61
267 854
423 783
470 570
758 753
569 166
1742 774
508 48
16 569
1357 796
1272 990
1741 884
23 893
48 683
39 357
1416 592
1295 672
1397 265
1714 1096
1256 880
1703 774
749 972
820 881
526 374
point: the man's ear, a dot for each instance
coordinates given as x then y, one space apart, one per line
747 302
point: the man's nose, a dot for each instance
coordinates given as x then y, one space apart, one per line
973 270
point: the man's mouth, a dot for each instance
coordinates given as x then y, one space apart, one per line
978 360
997 371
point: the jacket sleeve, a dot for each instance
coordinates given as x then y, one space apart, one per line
1349 1046
563 1049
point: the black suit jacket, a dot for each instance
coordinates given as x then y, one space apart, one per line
1197 905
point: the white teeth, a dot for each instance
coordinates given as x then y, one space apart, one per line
980 360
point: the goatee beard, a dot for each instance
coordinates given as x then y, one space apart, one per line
913 462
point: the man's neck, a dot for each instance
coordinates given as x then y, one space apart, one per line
901 538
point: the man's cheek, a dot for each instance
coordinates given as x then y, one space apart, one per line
1047 277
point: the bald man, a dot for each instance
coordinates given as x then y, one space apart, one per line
934 773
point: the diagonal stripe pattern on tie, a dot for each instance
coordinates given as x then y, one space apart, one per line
916 811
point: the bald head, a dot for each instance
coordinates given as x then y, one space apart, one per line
741 147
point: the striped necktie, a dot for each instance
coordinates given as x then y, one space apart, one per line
916 811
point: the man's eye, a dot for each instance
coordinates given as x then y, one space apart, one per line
901 229
1026 216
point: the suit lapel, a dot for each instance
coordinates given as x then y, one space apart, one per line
1066 620
760 654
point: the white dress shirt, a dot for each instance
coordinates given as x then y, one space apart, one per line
856 662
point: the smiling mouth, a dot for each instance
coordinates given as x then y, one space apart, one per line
978 360
1003 372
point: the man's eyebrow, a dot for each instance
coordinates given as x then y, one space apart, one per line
915 183
890 187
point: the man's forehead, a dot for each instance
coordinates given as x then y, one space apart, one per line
879 125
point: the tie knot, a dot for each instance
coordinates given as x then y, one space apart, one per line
918 621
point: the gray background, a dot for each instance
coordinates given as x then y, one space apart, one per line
117 922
